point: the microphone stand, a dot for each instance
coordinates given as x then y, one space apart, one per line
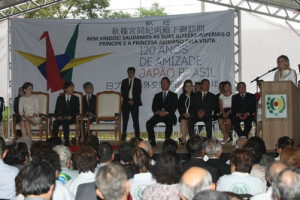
257 78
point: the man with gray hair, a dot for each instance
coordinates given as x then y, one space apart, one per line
286 185
148 148
193 181
213 150
240 141
272 171
112 183
66 173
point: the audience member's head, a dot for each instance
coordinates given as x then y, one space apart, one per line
283 142
125 151
53 141
147 147
286 185
274 169
50 156
3 150
105 152
288 152
241 141
211 195
213 148
258 148
168 169
64 155
241 160
294 160
25 140
193 181
233 196
92 141
17 155
38 146
195 145
135 141
38 179
86 159
112 182
140 161
170 146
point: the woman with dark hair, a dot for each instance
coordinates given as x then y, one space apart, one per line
28 109
240 181
260 160
225 108
16 109
167 172
184 109
284 72
17 155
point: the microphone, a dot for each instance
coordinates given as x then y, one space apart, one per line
275 68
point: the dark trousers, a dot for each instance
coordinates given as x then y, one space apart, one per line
208 125
65 124
247 125
134 110
168 120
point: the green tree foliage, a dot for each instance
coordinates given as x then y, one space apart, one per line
155 10
114 15
91 9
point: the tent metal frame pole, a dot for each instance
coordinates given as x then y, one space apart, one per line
9 85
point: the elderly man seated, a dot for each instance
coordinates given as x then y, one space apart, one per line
240 181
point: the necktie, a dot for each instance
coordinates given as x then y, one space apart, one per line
164 97
204 95
243 97
89 99
68 101
130 83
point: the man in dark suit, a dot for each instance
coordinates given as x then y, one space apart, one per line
87 191
243 106
131 90
195 146
164 106
213 150
203 105
89 105
66 109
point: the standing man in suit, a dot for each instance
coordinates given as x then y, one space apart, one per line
66 109
131 90
164 106
243 106
202 105
89 104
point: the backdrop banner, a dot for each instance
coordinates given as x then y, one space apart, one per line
180 47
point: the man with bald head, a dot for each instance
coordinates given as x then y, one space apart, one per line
272 171
193 181
148 148
286 185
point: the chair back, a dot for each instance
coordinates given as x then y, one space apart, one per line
43 99
108 103
80 96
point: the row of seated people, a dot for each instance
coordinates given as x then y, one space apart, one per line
192 107
248 172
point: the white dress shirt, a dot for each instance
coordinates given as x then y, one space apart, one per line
287 75
61 192
130 95
241 183
7 181
138 184
84 177
264 196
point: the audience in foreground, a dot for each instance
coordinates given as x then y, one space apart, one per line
167 172
112 183
240 181
193 181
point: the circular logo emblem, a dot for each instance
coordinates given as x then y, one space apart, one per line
240 188
276 105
